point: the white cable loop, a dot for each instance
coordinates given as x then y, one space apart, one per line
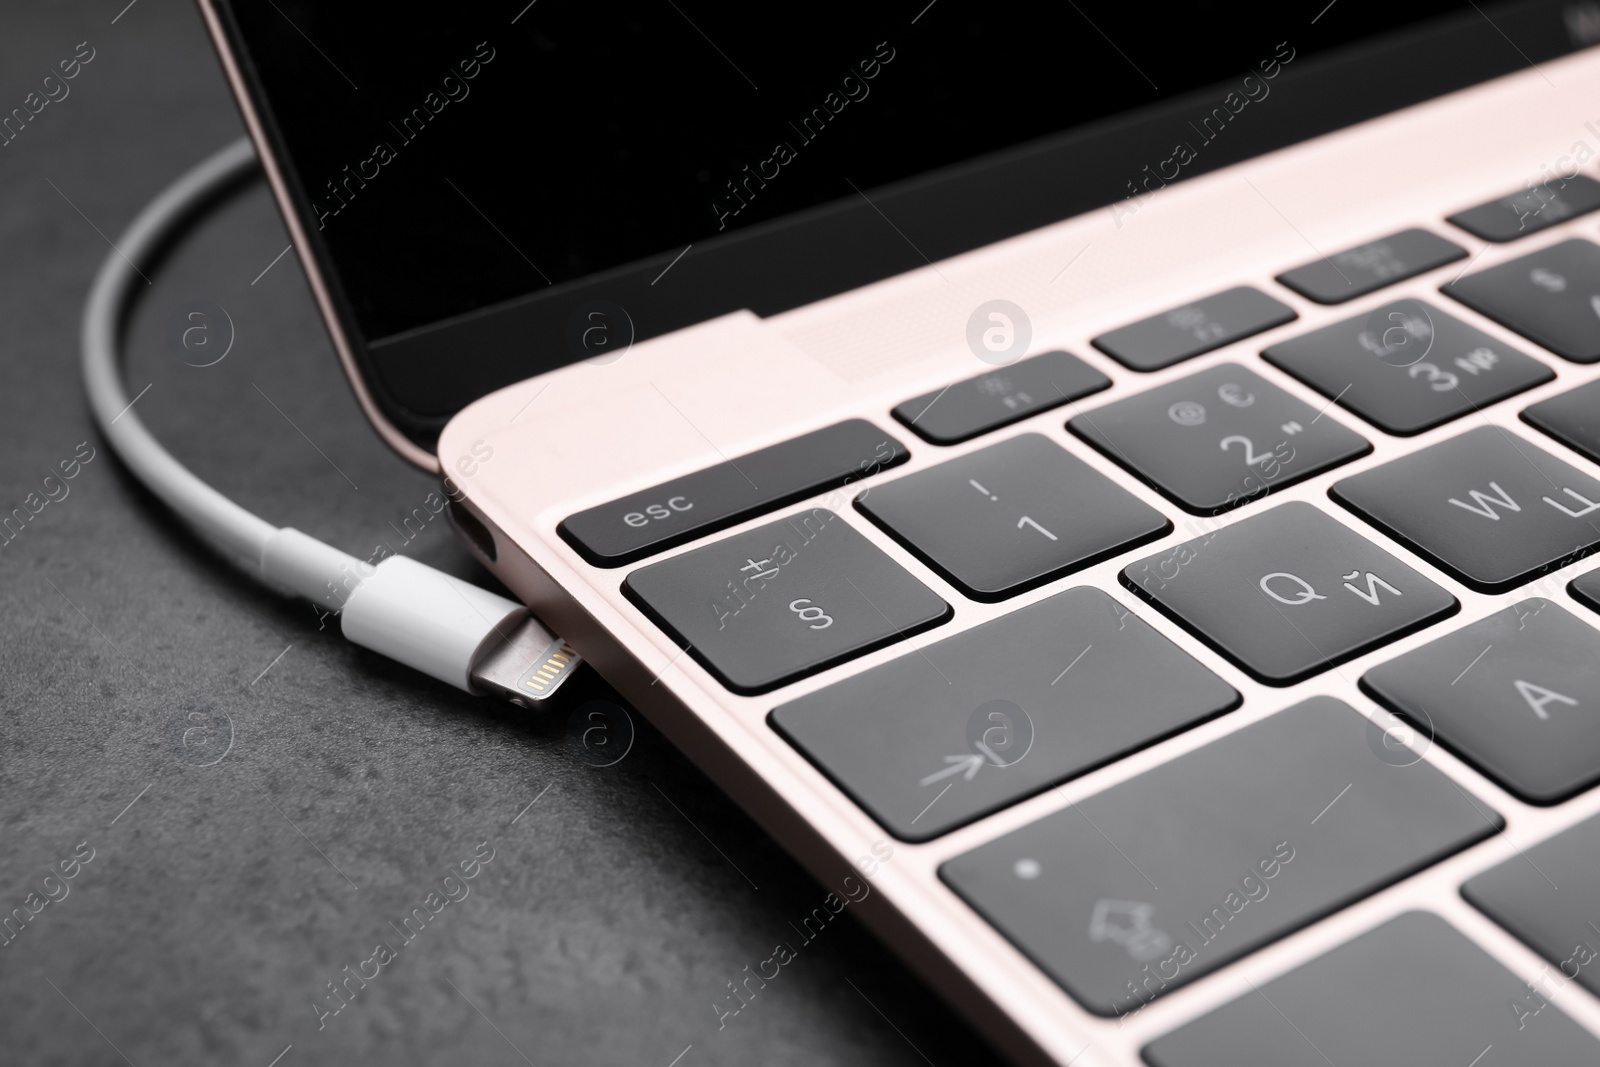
401 608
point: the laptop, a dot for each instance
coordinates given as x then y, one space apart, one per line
1110 489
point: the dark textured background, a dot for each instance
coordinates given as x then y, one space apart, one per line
214 910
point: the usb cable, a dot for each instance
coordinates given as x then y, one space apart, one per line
444 627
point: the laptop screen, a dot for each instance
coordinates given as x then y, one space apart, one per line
685 158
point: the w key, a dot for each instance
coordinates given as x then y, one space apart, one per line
1489 507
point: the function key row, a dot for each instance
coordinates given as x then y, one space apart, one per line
1551 297
1405 367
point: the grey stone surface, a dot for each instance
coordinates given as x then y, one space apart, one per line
222 898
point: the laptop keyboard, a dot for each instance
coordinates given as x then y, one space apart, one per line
1267 829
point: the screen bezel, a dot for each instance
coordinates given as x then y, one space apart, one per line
449 364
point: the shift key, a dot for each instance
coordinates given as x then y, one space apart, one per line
1138 890
719 496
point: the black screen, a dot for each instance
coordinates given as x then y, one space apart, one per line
526 157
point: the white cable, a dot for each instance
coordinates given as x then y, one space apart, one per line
452 630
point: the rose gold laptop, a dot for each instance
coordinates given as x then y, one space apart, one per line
1109 488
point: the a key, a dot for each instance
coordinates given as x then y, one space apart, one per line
965 409
1369 267
1414 991
1531 210
975 722
1193 329
1516 694
1549 897
1218 438
1011 516
1407 366
770 605
704 501
1551 297
1573 418
1168 876
1491 508
1288 592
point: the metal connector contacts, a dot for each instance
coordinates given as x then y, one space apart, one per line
528 667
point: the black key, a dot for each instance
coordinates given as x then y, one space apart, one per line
1369 267
1519 214
1011 516
1549 897
931 741
1407 366
968 408
1551 297
1288 592
723 495
1573 418
1585 589
1145 887
1487 506
1218 438
1414 991
784 600
1193 329
1515 694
